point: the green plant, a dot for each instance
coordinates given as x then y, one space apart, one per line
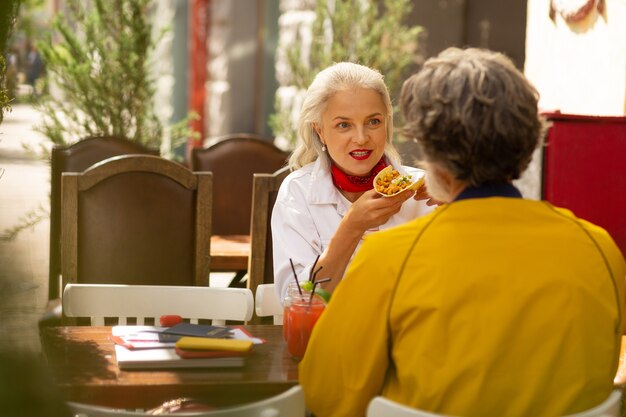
101 64
98 56
8 13
30 18
362 31
4 94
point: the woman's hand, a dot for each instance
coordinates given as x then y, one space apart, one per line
422 194
371 209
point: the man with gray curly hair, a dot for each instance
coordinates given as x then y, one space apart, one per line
513 307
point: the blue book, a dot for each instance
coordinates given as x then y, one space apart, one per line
172 334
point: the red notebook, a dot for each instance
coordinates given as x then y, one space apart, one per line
193 354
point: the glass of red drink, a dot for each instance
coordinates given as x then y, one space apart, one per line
300 315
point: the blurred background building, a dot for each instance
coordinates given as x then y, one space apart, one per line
229 47
222 58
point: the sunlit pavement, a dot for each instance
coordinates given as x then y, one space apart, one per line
24 186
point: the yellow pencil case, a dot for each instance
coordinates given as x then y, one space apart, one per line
205 343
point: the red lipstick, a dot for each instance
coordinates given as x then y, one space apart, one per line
360 154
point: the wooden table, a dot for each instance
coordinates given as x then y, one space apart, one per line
230 252
82 360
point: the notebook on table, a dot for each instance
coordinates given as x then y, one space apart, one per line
138 347
167 358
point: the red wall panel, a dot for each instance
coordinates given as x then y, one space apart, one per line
199 20
585 170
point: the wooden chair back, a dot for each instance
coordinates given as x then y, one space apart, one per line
233 159
261 265
77 158
136 219
100 301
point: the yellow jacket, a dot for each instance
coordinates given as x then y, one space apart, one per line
485 307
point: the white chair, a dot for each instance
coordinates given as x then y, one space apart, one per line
98 301
611 407
266 303
383 407
288 404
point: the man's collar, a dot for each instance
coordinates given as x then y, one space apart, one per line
484 191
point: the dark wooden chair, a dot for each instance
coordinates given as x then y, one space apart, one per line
233 160
77 158
261 265
136 219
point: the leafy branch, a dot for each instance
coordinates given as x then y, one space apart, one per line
360 31
99 56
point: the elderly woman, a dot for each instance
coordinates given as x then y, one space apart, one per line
327 204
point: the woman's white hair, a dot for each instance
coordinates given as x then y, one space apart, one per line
343 76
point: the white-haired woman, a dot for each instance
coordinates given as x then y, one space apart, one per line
327 204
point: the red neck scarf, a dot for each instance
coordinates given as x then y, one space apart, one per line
354 183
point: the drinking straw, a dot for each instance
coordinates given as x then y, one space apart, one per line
315 285
295 276
311 276
315 273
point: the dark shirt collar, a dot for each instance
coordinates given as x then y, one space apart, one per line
483 191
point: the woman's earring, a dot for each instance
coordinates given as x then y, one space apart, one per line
323 147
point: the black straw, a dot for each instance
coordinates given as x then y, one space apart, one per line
295 276
315 285
315 273
311 274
